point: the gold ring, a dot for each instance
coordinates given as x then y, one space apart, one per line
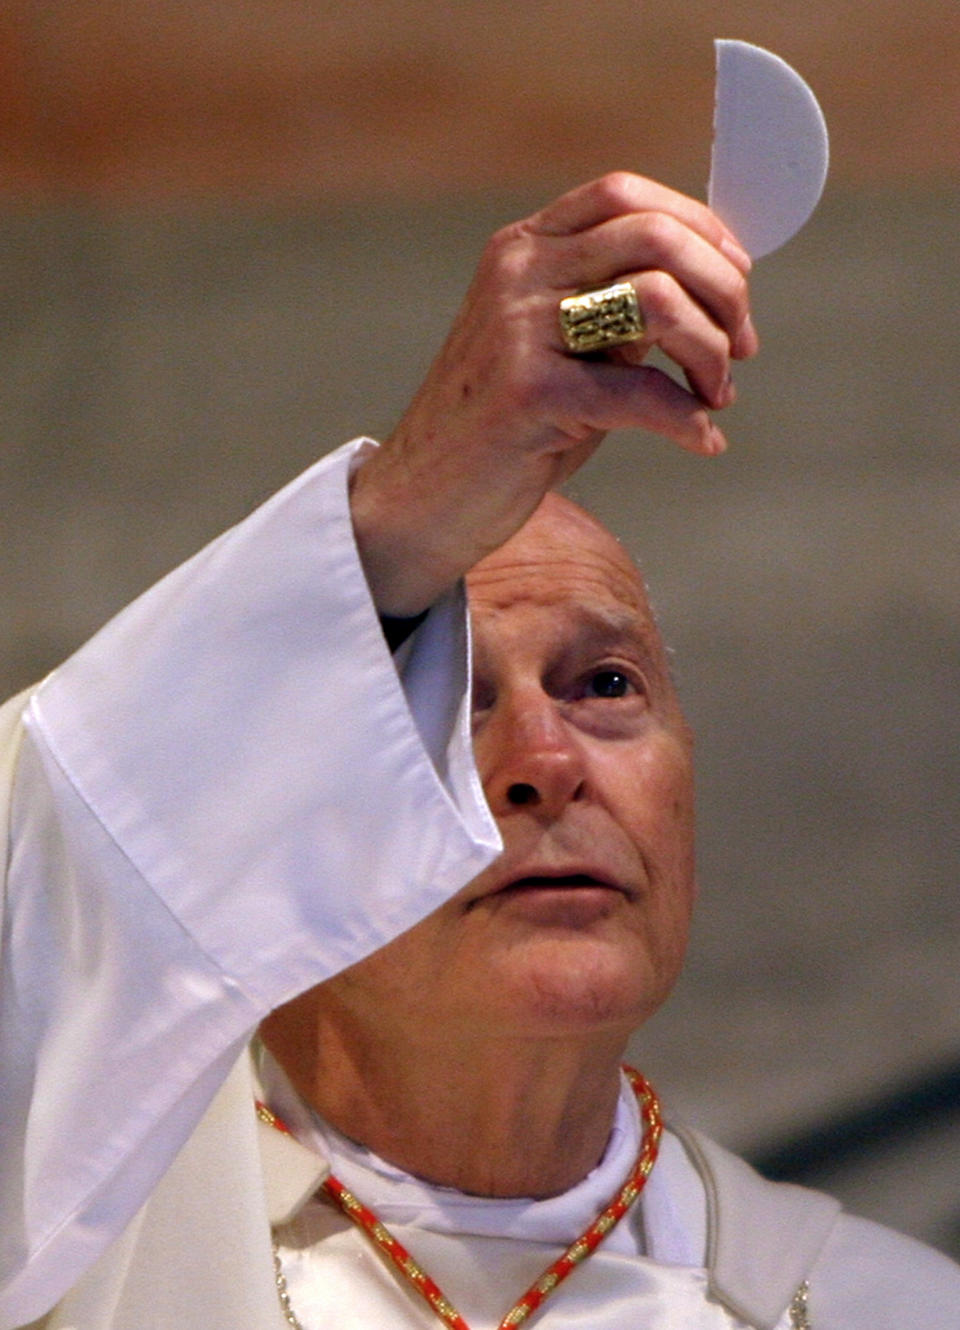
594 320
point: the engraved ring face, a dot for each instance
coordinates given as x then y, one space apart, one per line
597 319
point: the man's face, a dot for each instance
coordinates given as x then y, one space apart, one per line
581 924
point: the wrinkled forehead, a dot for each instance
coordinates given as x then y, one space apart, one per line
563 558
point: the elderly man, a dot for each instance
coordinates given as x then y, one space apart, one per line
255 858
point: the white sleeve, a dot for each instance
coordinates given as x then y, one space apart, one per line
225 797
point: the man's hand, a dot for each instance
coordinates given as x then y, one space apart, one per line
506 413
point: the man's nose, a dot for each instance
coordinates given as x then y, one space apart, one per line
529 757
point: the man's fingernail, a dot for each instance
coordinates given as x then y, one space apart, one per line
746 340
716 443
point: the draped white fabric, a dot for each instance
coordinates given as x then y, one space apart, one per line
336 1279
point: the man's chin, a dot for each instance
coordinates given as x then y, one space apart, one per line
573 985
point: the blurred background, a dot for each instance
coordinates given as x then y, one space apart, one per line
232 232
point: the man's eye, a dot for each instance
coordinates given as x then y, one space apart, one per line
608 683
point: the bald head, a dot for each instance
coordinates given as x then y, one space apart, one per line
561 550
560 531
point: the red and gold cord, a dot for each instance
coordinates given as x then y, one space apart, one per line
555 1274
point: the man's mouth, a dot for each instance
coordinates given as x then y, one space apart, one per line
574 882
575 899
561 880
576 876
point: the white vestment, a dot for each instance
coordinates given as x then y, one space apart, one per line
227 796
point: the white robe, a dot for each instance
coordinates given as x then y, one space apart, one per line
198 1256
235 757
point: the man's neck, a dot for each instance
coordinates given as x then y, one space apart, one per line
501 1118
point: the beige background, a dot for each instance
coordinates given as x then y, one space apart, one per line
231 235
